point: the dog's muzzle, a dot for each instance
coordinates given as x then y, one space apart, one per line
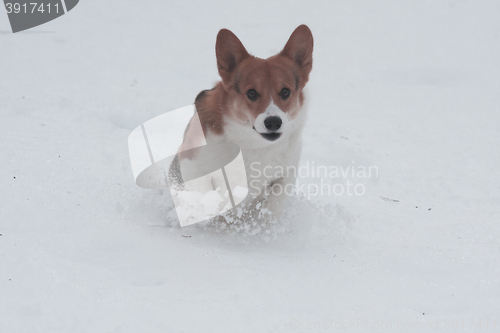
272 124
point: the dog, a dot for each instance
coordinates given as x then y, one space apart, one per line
258 107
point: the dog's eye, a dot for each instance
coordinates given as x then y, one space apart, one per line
284 93
252 94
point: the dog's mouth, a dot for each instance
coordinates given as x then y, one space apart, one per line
269 136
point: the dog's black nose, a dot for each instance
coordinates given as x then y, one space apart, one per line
273 123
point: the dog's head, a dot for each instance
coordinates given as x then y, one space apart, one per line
264 96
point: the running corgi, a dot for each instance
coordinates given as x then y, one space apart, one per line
258 107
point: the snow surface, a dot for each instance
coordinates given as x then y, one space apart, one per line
412 88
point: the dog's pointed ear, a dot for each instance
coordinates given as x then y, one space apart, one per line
229 52
299 49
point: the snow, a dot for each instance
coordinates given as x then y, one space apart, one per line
409 87
194 206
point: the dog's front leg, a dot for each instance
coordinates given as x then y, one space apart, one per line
277 193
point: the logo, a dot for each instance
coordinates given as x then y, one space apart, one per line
28 14
154 149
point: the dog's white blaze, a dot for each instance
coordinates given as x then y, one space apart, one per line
271 110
